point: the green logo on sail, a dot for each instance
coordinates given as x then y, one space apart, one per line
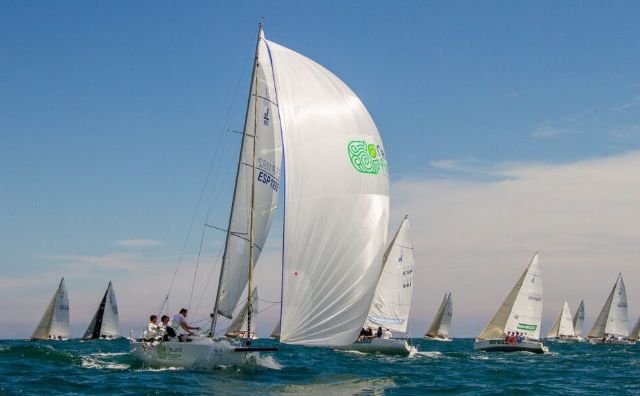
366 157
524 326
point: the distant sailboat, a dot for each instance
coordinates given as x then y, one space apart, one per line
54 324
439 329
578 321
392 299
105 323
635 333
563 326
275 334
520 312
238 328
612 324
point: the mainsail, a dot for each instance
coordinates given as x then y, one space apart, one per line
614 317
442 320
238 327
257 185
521 311
55 321
392 299
578 320
105 323
336 203
563 326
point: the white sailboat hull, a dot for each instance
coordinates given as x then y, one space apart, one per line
610 341
380 345
565 339
500 345
200 353
429 338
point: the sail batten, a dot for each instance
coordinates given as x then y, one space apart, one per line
521 311
336 203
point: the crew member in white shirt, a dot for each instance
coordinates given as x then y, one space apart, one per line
179 323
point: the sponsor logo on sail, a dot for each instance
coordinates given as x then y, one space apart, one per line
367 157
524 326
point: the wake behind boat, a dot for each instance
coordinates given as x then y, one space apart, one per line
439 329
516 325
389 310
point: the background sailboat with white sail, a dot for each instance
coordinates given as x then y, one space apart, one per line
441 325
105 323
275 334
238 328
578 321
392 300
54 324
563 326
612 324
520 312
635 332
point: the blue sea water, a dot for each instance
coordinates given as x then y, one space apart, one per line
105 368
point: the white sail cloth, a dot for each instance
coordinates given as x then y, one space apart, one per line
578 320
563 326
392 299
336 203
614 316
441 324
262 126
55 321
239 323
521 311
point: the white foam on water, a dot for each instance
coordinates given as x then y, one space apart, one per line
267 361
429 354
108 354
91 363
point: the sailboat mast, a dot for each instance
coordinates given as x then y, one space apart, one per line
253 198
214 314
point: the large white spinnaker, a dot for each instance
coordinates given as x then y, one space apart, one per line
441 324
336 203
563 326
392 299
105 322
54 324
614 317
521 311
260 173
578 320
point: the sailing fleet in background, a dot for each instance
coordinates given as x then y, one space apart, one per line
340 279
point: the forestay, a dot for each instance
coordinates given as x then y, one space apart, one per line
614 317
262 126
392 299
563 326
336 203
521 311
55 321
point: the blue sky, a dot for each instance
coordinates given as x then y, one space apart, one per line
111 112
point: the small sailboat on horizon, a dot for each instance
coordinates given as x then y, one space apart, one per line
562 328
105 324
521 313
391 303
612 324
238 328
635 333
441 324
578 322
54 324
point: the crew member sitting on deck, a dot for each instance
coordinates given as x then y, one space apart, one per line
363 334
179 323
387 334
162 328
379 332
152 329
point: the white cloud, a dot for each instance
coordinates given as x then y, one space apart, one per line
139 243
475 237
549 132
635 102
